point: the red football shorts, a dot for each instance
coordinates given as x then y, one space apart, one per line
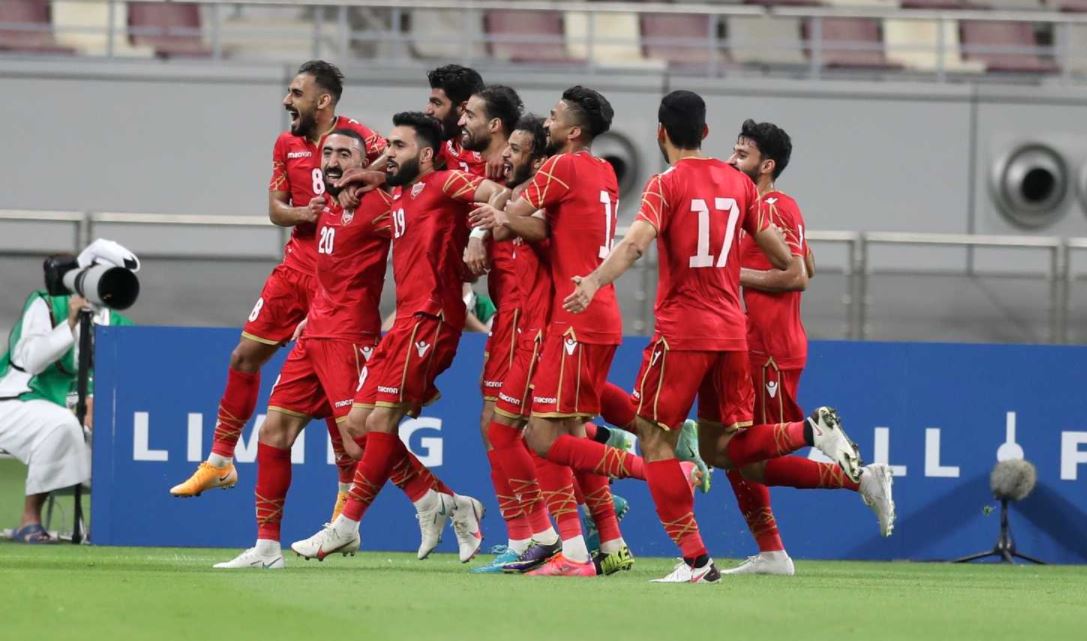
513 398
319 377
669 381
405 364
282 305
775 391
569 377
498 355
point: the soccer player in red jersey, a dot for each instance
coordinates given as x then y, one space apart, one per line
319 377
429 214
579 193
451 86
296 196
778 348
695 211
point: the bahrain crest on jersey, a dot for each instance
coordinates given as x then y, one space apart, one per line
347 217
417 189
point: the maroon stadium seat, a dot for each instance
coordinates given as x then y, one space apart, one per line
980 37
855 43
527 36
680 39
172 28
38 37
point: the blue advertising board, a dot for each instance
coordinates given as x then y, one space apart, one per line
936 412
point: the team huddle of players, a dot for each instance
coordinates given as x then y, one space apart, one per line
473 186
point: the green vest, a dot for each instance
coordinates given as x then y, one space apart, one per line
59 378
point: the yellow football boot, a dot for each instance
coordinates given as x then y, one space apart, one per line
207 477
341 500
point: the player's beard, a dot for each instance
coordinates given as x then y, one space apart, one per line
407 173
472 143
307 124
518 175
553 146
451 126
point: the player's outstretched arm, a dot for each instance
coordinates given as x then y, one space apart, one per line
634 245
281 213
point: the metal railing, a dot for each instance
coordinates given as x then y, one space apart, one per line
858 267
346 29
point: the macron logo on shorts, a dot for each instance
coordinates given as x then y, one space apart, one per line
545 400
656 355
367 352
422 347
571 345
772 388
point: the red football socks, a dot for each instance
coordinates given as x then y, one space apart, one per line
754 502
800 472
616 407
273 480
557 483
590 456
513 513
235 409
761 442
383 452
520 469
675 505
597 494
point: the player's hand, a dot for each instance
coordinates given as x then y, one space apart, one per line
350 198
76 304
363 179
487 217
779 232
313 210
584 291
475 256
298 330
496 168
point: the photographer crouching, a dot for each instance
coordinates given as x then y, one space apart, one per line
40 373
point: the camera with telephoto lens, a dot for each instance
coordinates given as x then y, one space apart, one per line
104 273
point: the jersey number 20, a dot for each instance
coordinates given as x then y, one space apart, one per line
328 237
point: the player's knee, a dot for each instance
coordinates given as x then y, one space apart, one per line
539 439
273 432
356 423
754 472
381 422
249 356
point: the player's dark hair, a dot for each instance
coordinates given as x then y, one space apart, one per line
428 130
503 103
351 133
683 116
772 141
458 83
592 110
327 76
534 126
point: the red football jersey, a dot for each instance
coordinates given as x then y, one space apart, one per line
698 207
581 196
774 326
430 232
532 284
296 169
352 251
458 158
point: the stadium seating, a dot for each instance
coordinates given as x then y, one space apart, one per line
37 34
617 39
171 28
681 40
83 26
764 41
527 36
440 33
1003 46
851 43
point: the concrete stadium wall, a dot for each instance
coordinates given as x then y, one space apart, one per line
178 138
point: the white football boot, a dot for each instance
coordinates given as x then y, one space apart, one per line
777 563
431 523
829 438
684 573
875 490
340 536
467 513
254 559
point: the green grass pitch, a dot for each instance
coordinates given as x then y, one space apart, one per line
86 593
